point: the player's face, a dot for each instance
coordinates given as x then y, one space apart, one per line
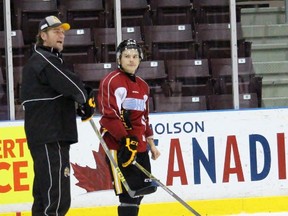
54 37
130 60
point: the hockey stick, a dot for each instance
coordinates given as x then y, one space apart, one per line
132 193
147 173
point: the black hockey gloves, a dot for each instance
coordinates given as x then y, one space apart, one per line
86 110
128 151
125 118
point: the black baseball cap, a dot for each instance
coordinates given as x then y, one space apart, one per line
52 22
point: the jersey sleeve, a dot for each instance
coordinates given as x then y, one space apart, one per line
110 97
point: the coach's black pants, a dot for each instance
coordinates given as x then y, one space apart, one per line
51 186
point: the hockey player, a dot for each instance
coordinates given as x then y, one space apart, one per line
123 103
49 92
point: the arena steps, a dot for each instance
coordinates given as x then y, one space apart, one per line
267 30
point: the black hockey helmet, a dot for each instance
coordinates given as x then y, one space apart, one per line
129 44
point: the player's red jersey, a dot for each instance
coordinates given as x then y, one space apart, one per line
119 91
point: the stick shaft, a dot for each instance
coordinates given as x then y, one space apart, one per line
112 160
146 172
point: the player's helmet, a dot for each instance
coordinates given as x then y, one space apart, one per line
129 44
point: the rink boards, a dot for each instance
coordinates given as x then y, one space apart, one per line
221 163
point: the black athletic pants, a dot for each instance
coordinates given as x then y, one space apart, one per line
51 186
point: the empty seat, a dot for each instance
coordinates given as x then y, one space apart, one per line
105 41
215 41
29 13
17 76
180 103
2 85
133 13
78 47
225 101
20 51
171 12
213 11
192 74
221 70
1 16
83 13
19 112
3 111
92 73
169 42
222 67
153 72
187 69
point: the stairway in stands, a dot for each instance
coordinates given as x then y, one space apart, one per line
266 29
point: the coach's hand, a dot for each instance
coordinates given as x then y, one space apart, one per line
128 151
86 110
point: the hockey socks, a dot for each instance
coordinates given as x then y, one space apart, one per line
128 210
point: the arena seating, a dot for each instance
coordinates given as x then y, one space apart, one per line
79 47
105 41
83 13
28 14
21 51
188 40
177 12
170 42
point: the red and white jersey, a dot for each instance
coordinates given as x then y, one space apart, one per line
117 91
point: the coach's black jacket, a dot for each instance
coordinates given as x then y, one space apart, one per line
49 92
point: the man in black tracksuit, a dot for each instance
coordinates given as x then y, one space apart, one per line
49 92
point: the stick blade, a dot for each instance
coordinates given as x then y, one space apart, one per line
146 190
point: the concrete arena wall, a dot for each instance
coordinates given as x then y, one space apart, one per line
212 160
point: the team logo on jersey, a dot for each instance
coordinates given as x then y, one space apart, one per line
67 172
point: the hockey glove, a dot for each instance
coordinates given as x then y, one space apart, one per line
86 110
125 118
128 151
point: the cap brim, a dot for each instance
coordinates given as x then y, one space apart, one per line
65 26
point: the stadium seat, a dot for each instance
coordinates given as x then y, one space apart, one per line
171 12
1 16
134 13
92 73
192 74
221 70
105 41
223 67
176 104
78 47
215 41
19 112
165 42
3 111
213 11
153 72
17 76
225 101
83 13
186 69
29 13
20 51
2 85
